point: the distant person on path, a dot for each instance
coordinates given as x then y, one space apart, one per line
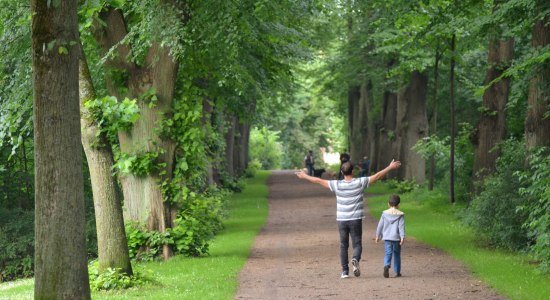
365 164
349 209
309 162
391 229
344 157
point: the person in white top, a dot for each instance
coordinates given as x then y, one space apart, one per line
349 207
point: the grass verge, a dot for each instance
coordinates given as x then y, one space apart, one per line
210 277
432 220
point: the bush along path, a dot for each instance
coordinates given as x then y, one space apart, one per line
296 256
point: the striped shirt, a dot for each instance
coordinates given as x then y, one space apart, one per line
349 198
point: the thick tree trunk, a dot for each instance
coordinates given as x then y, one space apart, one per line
491 128
537 122
206 120
388 134
230 146
143 199
453 125
357 97
412 125
433 129
61 270
364 137
354 127
111 236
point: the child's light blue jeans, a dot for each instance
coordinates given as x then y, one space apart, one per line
392 248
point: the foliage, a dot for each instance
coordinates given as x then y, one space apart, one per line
536 182
199 218
440 148
493 212
112 279
112 116
266 148
139 164
402 186
16 243
253 167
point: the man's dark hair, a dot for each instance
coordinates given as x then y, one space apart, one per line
344 157
347 168
394 200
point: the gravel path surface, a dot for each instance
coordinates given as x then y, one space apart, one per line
296 256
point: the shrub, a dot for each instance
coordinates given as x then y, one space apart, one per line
403 186
16 243
112 279
199 218
253 167
493 213
537 191
266 148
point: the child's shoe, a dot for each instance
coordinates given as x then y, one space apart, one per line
398 275
386 271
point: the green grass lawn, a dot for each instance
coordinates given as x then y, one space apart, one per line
211 277
432 220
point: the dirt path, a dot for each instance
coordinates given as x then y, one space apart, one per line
296 256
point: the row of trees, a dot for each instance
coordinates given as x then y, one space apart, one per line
413 69
162 93
451 88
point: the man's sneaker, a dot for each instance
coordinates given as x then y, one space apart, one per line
345 274
355 265
386 271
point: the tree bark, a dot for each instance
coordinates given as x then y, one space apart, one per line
354 96
230 146
143 199
388 134
453 125
61 270
491 129
412 125
537 126
111 235
434 117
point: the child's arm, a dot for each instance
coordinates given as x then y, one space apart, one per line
402 230
312 179
379 230
392 166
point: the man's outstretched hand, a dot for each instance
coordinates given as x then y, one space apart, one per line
395 164
300 174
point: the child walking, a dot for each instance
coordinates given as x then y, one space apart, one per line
391 229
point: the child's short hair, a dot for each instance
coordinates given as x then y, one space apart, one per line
347 168
394 200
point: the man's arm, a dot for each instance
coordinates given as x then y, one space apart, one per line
320 181
392 166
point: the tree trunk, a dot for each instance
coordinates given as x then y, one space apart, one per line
537 122
491 128
111 236
453 125
61 270
143 199
364 136
230 146
206 120
354 95
388 134
434 117
412 125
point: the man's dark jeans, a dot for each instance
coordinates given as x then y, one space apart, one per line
354 229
